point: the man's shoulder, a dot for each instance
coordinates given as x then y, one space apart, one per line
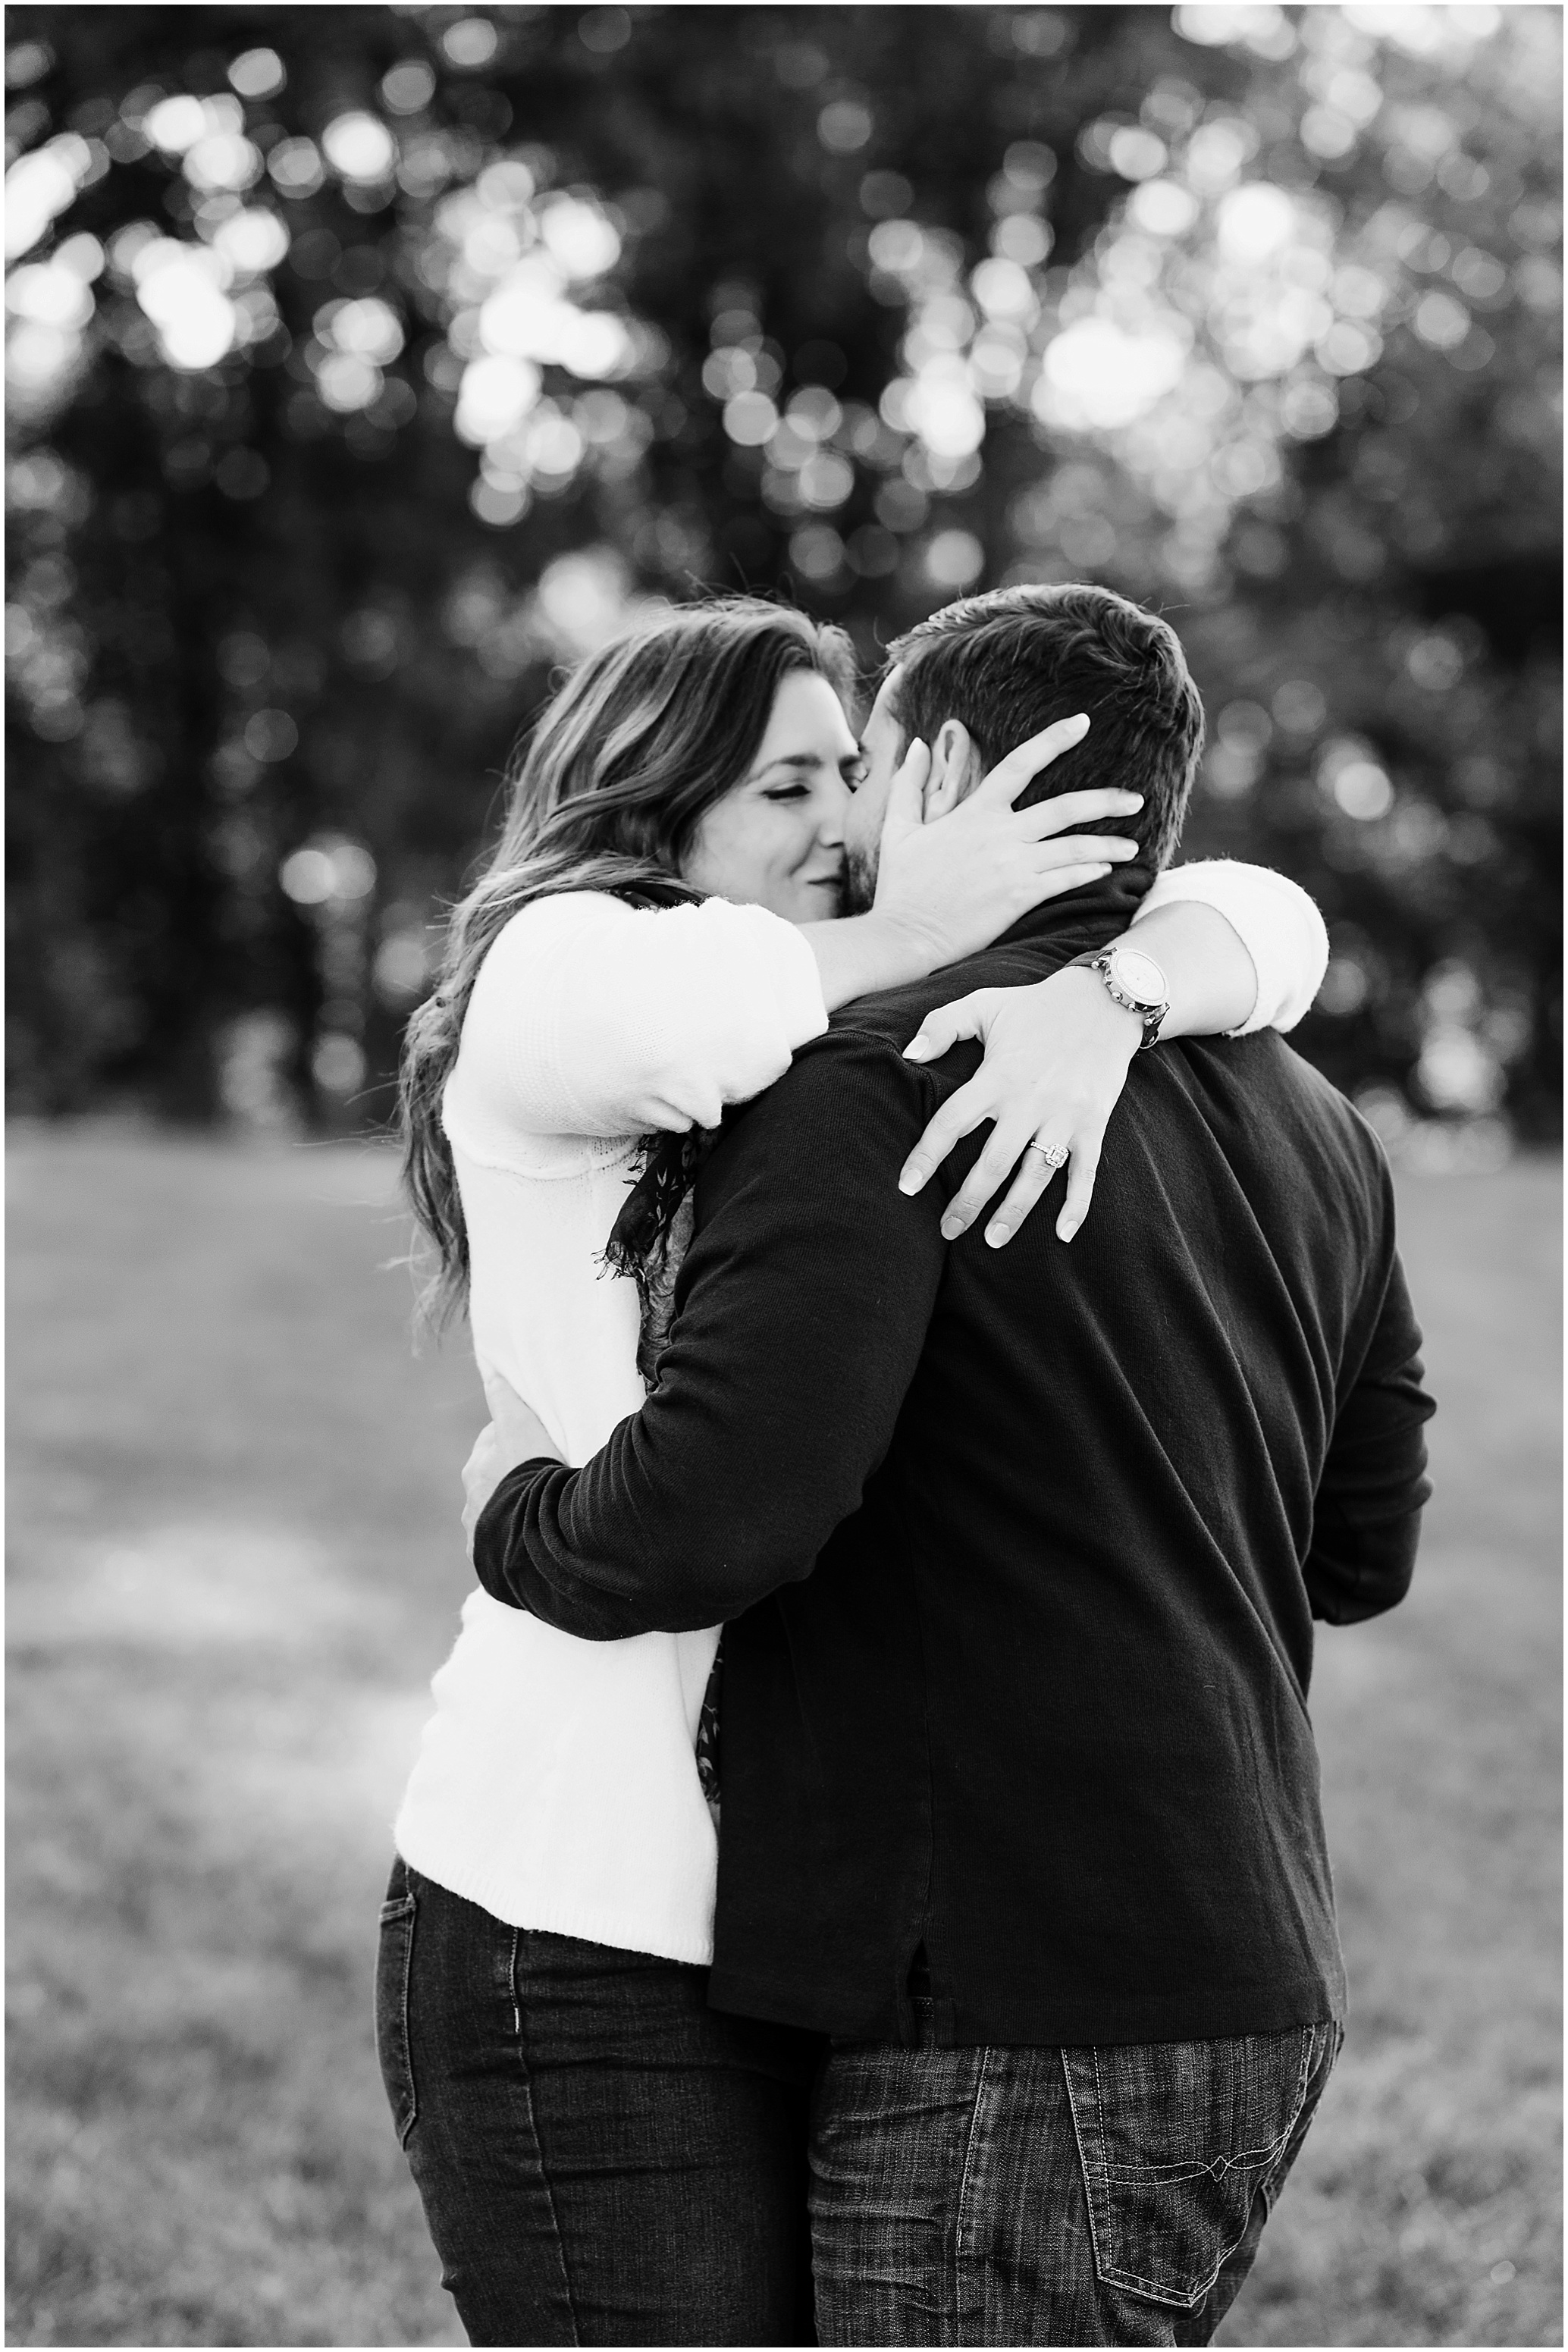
893 1015
863 1044
1276 1111
889 1019
852 1081
1266 1062
842 1118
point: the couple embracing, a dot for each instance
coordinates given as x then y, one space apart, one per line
864 1879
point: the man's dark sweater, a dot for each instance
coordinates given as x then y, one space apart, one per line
1020 1548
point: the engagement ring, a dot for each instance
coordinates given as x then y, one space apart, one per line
1055 1155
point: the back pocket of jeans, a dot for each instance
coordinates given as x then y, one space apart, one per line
393 1969
1175 2139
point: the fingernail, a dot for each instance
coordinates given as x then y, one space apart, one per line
997 1234
911 1180
951 1228
1066 1232
917 1050
1134 800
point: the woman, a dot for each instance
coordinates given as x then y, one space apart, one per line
603 2159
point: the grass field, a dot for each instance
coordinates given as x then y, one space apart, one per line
234 1563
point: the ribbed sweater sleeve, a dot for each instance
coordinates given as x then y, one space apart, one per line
801 1312
1276 921
592 1017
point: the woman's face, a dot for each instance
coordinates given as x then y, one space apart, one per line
776 838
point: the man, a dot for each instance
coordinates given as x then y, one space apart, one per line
1019 1553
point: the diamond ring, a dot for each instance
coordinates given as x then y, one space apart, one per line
1055 1155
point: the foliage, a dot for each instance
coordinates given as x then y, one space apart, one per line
1251 311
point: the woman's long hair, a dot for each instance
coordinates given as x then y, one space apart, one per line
607 794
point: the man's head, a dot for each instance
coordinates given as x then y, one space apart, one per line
984 674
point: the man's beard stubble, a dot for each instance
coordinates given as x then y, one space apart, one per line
859 880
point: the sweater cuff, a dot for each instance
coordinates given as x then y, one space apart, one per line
1276 921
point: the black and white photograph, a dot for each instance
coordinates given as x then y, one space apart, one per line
784 1109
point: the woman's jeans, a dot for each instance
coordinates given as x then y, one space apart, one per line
603 2159
1081 2196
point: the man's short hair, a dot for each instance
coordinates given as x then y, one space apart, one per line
1009 662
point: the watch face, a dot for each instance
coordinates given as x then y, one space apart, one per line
1138 976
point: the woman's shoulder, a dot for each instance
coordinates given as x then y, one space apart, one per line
556 912
538 933
621 930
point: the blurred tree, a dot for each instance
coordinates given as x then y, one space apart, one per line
1249 311
1409 567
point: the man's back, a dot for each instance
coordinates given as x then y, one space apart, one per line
1039 1714
1020 1548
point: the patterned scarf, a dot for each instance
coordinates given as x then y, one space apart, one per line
649 1238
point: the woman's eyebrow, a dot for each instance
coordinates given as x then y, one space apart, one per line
788 760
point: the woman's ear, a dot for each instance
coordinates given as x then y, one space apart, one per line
952 759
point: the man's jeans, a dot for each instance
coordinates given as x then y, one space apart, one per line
1111 2195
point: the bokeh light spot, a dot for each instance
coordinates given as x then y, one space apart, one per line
409 87
360 147
471 43
257 73
603 30
954 559
844 127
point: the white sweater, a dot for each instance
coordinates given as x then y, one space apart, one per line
556 1785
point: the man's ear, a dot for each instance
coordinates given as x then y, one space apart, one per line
953 760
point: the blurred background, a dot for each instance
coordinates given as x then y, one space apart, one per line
366 364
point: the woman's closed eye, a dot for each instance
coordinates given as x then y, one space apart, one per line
798 787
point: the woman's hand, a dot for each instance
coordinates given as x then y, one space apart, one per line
514 1433
1057 1058
958 883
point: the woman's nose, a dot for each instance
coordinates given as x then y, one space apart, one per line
833 814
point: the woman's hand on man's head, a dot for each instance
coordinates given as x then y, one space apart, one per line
958 880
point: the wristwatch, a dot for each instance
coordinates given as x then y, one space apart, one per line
1135 981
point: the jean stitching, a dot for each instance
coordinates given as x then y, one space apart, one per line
1180 2297
533 2135
969 2145
1084 2166
1166 2175
970 2139
1249 2159
1303 2080
1312 2064
408 1910
1113 2274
